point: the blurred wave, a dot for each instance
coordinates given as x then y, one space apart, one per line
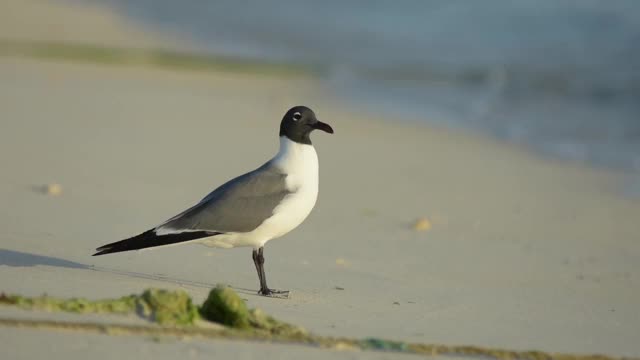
561 75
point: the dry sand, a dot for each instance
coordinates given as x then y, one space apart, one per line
523 253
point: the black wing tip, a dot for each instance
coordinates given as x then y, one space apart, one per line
151 239
122 245
104 250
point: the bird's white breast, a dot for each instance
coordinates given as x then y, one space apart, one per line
300 164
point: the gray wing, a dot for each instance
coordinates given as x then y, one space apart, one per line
239 205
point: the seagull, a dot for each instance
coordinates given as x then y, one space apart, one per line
253 208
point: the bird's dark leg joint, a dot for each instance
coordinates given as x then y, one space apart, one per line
264 289
260 256
258 266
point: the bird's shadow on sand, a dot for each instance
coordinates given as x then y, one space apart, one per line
23 259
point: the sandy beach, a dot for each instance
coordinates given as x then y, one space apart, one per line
523 252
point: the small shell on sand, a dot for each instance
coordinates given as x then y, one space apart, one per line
344 346
341 262
422 224
53 189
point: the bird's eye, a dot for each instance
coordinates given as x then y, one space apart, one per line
297 116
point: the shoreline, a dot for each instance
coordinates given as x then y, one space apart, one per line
194 61
120 40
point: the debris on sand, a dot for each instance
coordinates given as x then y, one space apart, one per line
53 189
422 224
48 189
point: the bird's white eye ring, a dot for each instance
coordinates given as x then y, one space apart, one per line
297 116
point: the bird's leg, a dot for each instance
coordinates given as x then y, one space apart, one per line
264 289
258 266
258 259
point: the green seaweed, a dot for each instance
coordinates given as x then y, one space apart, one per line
263 322
383 345
165 307
123 305
168 307
224 306
162 306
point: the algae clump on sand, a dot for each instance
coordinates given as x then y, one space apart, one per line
123 305
168 307
224 306
162 306
263 322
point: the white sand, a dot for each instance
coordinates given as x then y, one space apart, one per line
524 253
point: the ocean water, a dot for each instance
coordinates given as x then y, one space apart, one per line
562 76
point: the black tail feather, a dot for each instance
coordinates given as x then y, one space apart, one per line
151 239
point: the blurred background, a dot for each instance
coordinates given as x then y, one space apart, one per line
562 76
485 170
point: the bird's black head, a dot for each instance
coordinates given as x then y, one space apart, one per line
299 122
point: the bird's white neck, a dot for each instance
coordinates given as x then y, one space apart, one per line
296 159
